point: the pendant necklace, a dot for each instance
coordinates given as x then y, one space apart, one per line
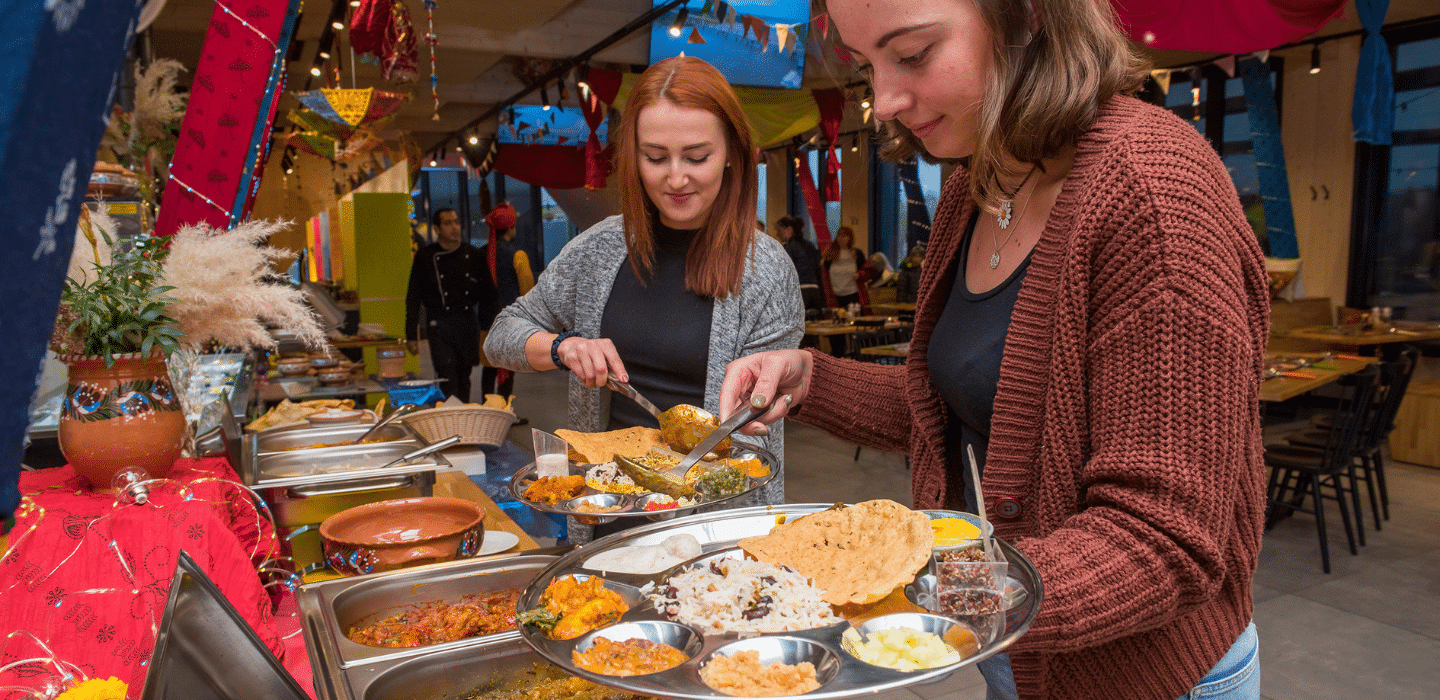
1005 218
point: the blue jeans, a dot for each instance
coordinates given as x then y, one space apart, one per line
1235 677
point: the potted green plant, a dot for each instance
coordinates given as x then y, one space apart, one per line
129 307
113 332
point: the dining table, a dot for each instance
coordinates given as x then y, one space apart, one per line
825 329
890 350
1323 368
1364 339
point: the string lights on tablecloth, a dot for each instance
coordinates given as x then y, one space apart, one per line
134 492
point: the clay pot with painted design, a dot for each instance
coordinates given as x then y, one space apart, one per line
126 415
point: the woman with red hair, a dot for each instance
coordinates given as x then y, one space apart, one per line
666 294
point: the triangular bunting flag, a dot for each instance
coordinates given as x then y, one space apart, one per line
762 34
749 23
782 32
790 42
1226 64
1162 78
708 5
1263 55
822 22
695 37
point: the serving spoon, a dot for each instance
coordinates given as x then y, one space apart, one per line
682 426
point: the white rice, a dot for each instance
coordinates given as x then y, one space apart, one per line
719 602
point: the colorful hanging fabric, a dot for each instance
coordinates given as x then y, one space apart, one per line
232 102
62 60
432 40
1373 111
1224 26
816 207
353 107
382 29
831 102
1269 159
604 86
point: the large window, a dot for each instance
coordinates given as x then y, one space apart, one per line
555 225
930 185
760 213
1227 123
1407 268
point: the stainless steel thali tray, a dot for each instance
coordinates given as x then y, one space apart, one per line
841 674
632 505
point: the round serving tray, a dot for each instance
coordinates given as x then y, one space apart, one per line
841 674
632 504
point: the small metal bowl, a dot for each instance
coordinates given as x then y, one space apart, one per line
333 377
658 515
682 637
604 500
958 636
321 363
786 650
292 368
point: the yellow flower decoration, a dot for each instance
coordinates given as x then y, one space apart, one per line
111 688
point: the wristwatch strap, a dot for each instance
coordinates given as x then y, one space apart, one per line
555 348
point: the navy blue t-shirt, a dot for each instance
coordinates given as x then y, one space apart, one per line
964 355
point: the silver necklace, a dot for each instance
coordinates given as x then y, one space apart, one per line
1005 218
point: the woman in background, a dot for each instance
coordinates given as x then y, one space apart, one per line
842 263
668 293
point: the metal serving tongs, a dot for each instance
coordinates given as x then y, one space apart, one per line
682 426
746 414
375 429
423 451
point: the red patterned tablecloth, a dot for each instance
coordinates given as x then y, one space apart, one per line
90 578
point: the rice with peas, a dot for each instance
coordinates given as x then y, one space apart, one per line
734 595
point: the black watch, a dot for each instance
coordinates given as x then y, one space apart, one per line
555 348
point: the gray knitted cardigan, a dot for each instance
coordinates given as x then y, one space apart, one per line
571 295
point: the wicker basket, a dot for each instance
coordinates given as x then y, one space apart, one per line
486 427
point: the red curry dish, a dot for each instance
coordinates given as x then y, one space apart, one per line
433 623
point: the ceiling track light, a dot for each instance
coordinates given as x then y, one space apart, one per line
679 25
315 71
325 55
339 26
474 140
544 98
582 76
865 103
1315 58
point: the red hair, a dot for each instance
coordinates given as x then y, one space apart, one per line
833 250
715 263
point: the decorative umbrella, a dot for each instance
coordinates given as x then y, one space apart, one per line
338 150
353 107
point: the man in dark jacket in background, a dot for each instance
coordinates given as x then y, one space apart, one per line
790 231
451 281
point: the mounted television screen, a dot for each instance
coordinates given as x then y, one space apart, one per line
752 42
557 126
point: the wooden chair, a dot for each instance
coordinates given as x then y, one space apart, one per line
1296 471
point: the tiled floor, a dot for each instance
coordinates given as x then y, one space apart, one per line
1369 630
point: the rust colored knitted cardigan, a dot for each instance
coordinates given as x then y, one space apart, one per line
1126 420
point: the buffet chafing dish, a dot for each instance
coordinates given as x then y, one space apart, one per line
305 486
346 670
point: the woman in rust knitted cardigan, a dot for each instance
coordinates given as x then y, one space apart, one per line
1092 318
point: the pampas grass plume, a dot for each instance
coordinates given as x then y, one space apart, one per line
221 293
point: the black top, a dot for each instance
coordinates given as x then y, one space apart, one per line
448 284
506 279
805 257
965 351
661 332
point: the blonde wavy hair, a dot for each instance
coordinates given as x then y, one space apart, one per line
1055 63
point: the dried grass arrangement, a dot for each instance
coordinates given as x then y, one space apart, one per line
220 289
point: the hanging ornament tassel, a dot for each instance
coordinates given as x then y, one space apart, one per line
432 41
